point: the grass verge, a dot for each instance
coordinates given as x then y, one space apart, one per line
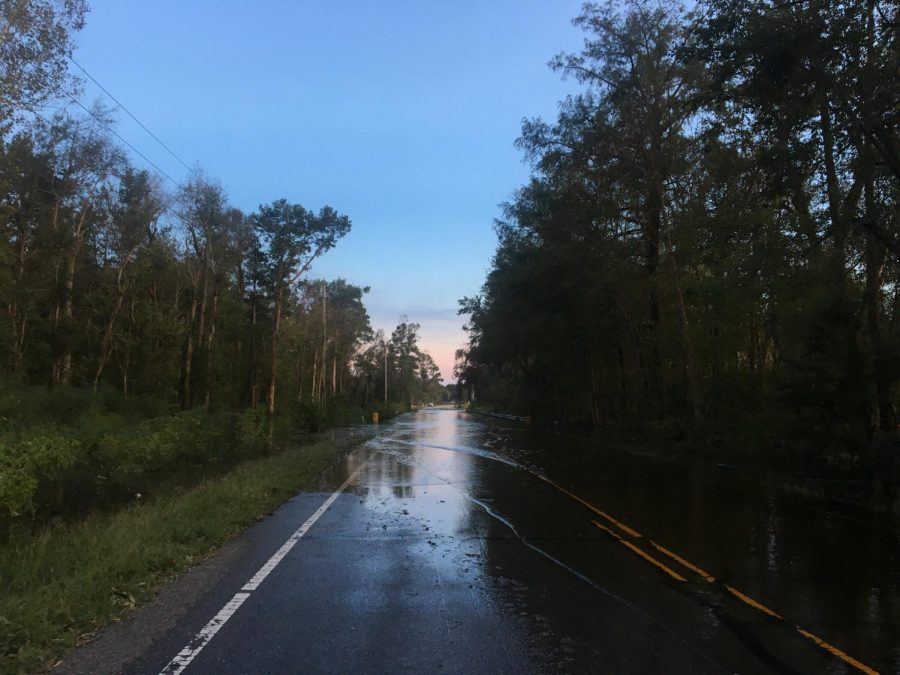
69 581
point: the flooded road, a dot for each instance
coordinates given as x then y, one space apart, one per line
450 543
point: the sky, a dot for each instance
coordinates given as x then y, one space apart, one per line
400 114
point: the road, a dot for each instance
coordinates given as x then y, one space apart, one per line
452 544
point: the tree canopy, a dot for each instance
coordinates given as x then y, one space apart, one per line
708 244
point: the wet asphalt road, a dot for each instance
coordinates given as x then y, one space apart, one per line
443 554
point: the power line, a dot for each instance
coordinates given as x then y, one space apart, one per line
132 116
165 207
39 116
119 136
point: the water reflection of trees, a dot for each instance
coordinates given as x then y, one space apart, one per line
835 573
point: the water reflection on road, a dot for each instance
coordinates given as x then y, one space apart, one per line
512 556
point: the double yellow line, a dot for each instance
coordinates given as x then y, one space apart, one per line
831 649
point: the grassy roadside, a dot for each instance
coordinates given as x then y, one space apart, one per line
69 581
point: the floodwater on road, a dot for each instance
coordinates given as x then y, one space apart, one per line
450 543
831 572
827 575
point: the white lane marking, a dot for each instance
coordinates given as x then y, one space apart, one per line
195 646
186 655
276 558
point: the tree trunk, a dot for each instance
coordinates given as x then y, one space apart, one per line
831 179
186 370
201 313
210 342
276 324
300 361
17 312
690 365
653 227
19 321
127 363
125 371
875 258
324 340
106 340
252 387
65 371
334 372
314 385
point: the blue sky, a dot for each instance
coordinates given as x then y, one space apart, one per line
402 115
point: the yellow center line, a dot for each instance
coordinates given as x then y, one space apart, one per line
621 526
846 658
674 556
831 649
645 556
753 603
605 516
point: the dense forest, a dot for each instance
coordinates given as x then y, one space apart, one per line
150 326
708 245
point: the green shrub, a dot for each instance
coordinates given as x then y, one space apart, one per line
131 459
341 413
38 461
307 417
133 408
17 485
66 450
253 431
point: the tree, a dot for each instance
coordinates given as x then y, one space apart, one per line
625 136
292 238
203 207
85 164
708 242
35 41
818 81
321 352
26 205
405 356
429 385
132 217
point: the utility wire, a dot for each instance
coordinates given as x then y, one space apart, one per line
132 116
119 136
39 116
165 207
